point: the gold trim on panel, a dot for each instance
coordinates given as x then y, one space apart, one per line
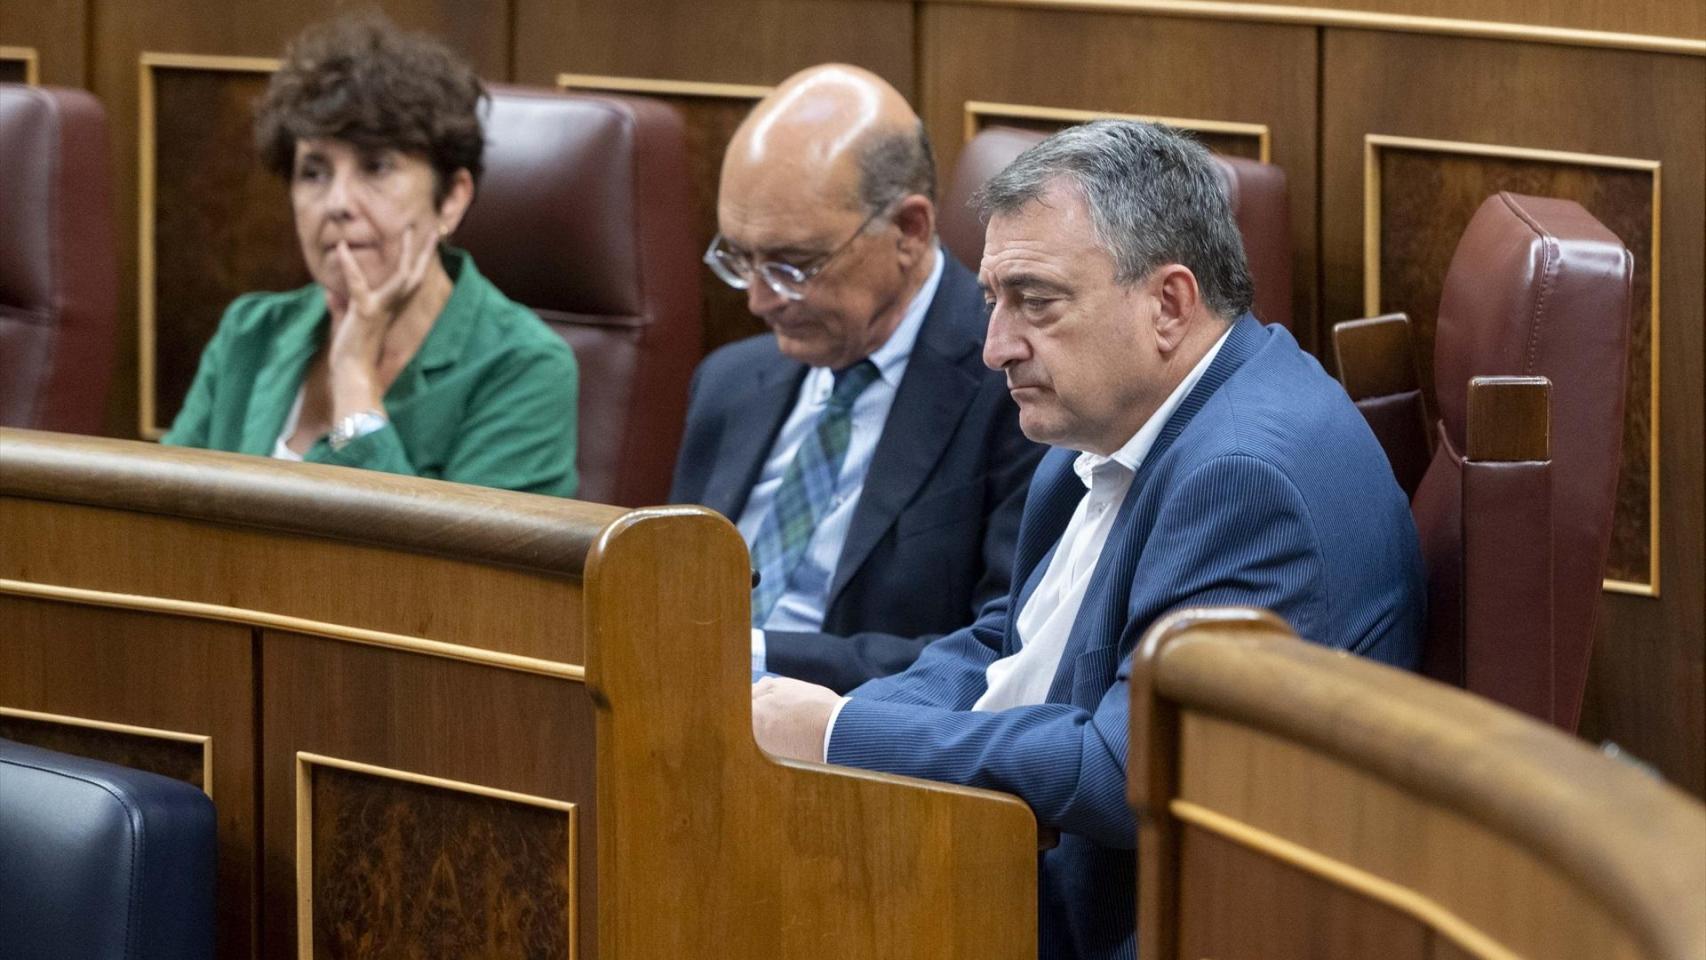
31 62
1374 142
599 83
1020 111
1358 19
333 631
200 61
305 838
203 740
1631 588
147 428
1435 916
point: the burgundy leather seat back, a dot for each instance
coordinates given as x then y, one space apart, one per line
1258 195
986 155
1537 287
1256 190
58 264
582 215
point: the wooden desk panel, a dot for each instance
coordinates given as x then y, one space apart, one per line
1296 802
167 694
423 783
470 729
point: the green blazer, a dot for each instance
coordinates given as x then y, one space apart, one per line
488 399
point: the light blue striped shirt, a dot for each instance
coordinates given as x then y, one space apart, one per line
802 604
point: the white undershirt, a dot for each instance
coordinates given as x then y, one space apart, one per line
281 447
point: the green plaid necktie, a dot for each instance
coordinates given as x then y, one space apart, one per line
806 492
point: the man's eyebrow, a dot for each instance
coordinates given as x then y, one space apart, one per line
792 251
1026 282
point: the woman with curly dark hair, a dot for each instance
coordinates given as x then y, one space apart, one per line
400 356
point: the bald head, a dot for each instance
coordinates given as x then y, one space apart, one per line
830 179
835 131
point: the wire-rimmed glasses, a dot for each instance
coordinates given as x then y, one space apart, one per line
789 281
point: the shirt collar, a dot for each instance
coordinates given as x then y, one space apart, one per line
891 358
1131 456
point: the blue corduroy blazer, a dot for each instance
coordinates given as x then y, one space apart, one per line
1265 487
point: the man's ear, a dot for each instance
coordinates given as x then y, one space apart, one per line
456 201
916 218
1178 299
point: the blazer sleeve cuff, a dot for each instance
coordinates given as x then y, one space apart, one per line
877 735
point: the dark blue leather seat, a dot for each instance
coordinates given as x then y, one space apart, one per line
101 861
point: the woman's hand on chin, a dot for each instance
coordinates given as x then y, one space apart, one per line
361 320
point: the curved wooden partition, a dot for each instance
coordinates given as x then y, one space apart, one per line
441 720
1342 809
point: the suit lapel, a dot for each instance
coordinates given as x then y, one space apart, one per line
759 414
932 397
1101 619
1054 494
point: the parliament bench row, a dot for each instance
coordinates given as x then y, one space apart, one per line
450 721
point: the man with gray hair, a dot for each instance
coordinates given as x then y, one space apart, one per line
1199 458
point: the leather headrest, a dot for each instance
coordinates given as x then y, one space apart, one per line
1526 294
53 153
986 155
554 223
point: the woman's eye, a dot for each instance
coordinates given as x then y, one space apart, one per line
378 164
311 174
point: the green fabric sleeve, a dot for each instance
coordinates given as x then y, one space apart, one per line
191 426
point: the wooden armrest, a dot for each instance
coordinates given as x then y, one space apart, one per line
1507 546
1509 419
1376 356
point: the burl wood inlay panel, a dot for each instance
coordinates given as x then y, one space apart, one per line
1224 143
1427 199
222 223
179 759
1238 904
407 870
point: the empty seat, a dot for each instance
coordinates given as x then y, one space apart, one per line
1536 288
1256 190
58 266
583 216
102 862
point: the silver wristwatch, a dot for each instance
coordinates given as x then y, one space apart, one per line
358 424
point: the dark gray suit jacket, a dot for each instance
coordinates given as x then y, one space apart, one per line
932 535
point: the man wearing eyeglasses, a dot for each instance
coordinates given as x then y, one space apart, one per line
874 466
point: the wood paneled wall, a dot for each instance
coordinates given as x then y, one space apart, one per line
1444 99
